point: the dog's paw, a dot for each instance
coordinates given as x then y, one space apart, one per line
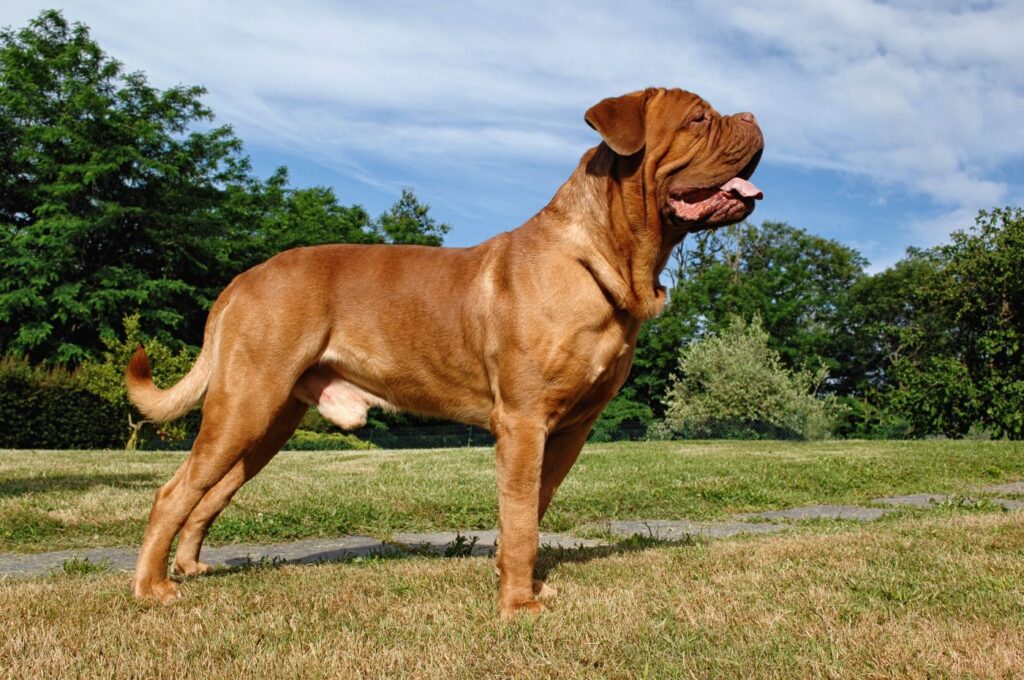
190 568
541 589
165 591
531 606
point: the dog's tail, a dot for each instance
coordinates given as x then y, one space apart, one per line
164 405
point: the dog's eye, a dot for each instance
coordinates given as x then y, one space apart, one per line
700 118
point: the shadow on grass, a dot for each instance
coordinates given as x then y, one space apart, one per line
551 557
547 560
20 486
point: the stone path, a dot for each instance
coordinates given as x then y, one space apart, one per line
482 542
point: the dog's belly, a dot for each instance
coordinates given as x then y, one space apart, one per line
343 403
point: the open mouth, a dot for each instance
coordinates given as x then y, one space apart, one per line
716 206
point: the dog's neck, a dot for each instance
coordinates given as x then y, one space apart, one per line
616 228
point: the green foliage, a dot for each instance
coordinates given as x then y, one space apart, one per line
52 407
83 566
307 440
106 199
263 218
105 378
461 546
734 385
48 408
623 419
869 417
408 221
116 197
961 362
796 282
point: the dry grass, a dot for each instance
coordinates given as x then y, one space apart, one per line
916 597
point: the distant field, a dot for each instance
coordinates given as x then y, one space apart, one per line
70 499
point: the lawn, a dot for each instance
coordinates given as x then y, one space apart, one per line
76 499
924 593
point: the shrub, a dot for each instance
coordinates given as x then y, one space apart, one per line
306 440
622 419
105 378
48 408
52 407
734 385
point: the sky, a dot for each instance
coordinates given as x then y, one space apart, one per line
887 124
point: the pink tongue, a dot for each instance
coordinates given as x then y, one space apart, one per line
742 187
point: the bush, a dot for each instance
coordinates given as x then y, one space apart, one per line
48 408
734 385
53 407
306 440
105 378
622 419
863 418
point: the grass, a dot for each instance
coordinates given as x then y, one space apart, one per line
61 500
934 593
931 596
77 566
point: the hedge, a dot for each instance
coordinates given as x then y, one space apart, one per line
48 409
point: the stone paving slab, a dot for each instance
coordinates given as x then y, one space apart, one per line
927 500
486 540
308 551
914 500
1012 487
675 530
19 565
852 512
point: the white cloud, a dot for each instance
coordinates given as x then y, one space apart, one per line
923 95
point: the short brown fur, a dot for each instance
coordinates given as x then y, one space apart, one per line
529 334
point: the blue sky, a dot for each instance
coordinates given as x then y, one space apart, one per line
886 124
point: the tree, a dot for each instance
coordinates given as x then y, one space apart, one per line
961 362
408 221
106 197
263 218
796 282
733 384
111 202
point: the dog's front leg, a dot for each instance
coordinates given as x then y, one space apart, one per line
520 453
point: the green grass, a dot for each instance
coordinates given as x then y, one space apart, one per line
57 500
77 566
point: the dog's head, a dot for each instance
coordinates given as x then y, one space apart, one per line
699 161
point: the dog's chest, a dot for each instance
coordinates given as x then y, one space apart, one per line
611 365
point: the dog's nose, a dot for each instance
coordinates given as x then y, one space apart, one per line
747 117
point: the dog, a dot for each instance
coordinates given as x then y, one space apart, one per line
529 334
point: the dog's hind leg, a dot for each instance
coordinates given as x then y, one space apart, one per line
234 421
186 560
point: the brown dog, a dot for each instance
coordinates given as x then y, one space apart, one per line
529 334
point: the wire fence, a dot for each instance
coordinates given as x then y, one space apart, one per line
444 434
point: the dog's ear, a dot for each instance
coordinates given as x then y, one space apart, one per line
620 122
